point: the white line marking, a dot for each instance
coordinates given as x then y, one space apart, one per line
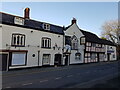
27 84
58 78
43 81
70 76
8 87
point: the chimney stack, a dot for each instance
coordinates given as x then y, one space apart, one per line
27 13
73 21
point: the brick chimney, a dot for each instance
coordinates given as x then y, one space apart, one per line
73 21
27 13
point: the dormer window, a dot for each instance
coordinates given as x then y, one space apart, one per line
46 26
19 21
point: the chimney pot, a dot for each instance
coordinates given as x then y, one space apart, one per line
26 13
73 21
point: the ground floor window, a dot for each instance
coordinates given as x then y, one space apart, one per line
78 56
113 55
46 59
90 57
101 57
18 59
93 56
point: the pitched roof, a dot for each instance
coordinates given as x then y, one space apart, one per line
91 37
29 23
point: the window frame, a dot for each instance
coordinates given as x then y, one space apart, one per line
49 55
10 63
46 44
77 56
74 43
81 39
46 26
17 45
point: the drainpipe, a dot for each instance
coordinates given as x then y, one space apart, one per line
38 56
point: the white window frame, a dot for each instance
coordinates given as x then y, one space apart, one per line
78 56
74 43
19 21
46 59
46 44
18 61
16 42
46 26
82 40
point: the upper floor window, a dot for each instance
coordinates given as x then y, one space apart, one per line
46 42
18 39
67 40
82 40
74 43
93 44
88 44
46 26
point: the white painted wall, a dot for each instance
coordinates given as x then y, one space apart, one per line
34 40
111 55
0 36
74 30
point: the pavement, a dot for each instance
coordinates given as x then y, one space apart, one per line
51 68
73 76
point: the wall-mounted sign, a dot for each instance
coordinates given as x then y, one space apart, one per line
19 21
67 48
110 51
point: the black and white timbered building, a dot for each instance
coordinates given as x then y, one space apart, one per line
87 46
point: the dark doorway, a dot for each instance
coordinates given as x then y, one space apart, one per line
98 57
67 60
3 62
57 60
108 57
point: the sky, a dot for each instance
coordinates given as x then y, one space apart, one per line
90 15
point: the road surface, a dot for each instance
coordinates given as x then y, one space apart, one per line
73 76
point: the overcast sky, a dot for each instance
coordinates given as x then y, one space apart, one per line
90 15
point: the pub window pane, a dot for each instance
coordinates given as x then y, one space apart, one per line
74 43
46 59
14 40
18 39
46 42
18 58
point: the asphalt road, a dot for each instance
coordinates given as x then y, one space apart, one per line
73 76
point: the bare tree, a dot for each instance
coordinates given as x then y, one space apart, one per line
110 30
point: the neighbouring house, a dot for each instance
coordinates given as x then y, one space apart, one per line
29 43
86 47
74 49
